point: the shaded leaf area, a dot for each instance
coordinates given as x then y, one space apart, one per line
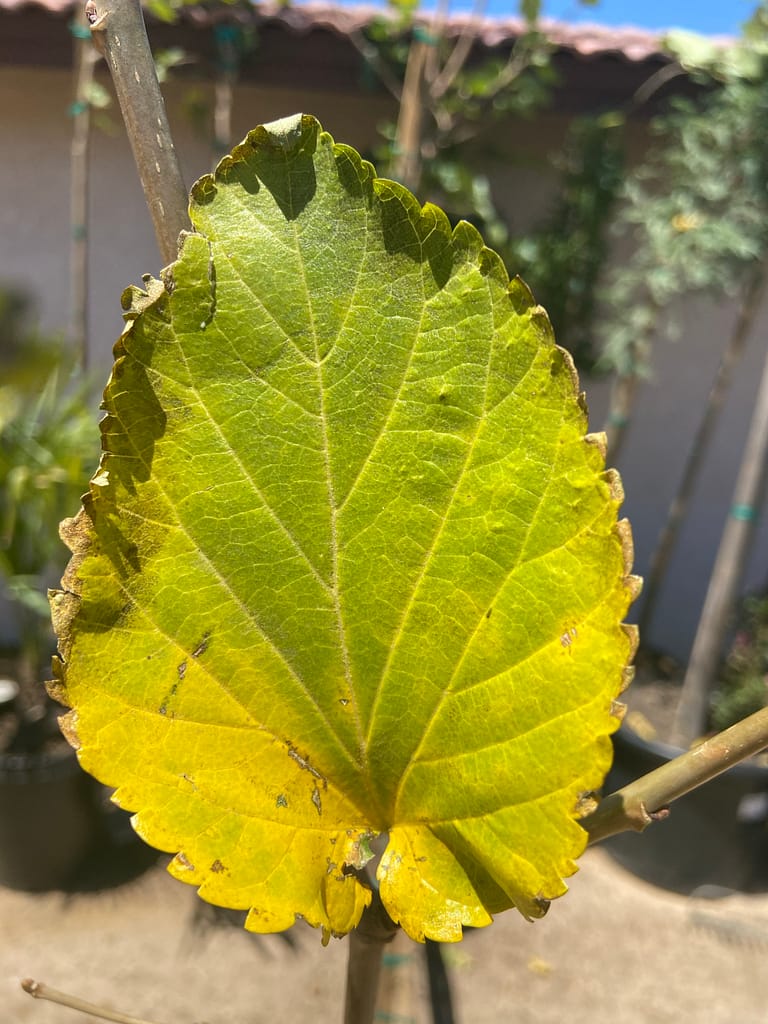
349 564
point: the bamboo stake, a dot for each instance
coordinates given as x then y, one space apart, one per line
85 61
726 575
366 947
440 996
119 33
409 123
397 992
622 402
228 39
720 385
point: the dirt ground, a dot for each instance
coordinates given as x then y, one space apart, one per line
613 949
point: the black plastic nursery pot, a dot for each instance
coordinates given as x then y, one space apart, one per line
48 821
716 835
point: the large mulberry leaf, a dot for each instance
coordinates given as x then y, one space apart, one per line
349 565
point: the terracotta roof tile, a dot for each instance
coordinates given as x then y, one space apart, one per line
633 44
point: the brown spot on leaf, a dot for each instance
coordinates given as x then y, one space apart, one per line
618 709
303 762
316 800
217 867
202 647
181 861
542 905
568 637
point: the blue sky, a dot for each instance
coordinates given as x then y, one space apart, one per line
713 17
708 16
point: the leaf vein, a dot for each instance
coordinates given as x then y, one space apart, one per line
227 588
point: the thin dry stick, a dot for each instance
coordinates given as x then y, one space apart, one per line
726 575
222 114
457 58
40 991
515 66
366 947
624 388
623 392
397 990
655 82
435 34
228 43
408 134
370 54
85 60
679 506
640 803
118 30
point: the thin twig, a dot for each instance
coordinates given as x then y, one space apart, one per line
370 54
85 61
514 67
653 83
40 991
640 803
726 575
623 390
679 507
457 58
408 133
397 985
436 31
223 104
439 985
118 30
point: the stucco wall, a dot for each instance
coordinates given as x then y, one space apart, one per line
34 230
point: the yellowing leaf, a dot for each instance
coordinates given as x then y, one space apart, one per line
349 564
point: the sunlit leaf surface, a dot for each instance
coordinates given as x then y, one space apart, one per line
349 564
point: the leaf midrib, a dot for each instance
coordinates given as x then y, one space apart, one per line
247 612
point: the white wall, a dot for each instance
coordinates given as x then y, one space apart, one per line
34 186
34 229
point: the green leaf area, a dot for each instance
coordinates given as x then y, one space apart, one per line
350 565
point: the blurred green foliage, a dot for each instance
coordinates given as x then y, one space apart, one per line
695 211
49 444
743 686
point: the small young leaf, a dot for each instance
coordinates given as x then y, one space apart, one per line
350 564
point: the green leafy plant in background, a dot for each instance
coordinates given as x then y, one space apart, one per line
694 209
742 685
48 441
